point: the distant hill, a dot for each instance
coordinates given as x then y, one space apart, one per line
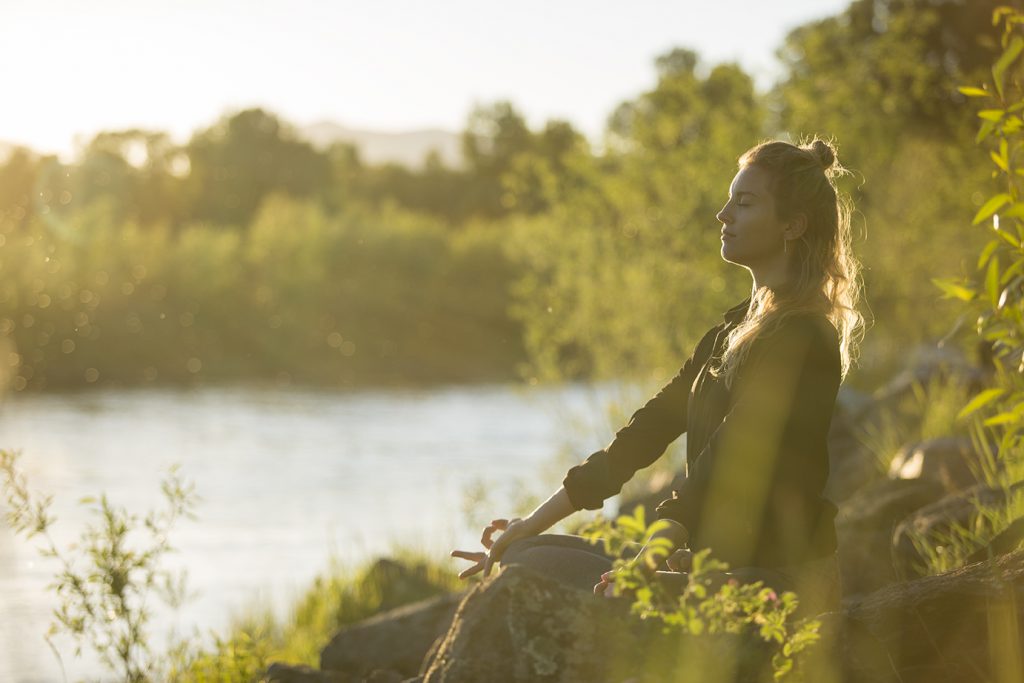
409 149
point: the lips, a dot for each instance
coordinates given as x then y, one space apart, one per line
726 234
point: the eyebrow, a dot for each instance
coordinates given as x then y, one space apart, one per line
743 192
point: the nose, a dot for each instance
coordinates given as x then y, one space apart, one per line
722 216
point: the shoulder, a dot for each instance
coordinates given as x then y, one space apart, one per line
808 336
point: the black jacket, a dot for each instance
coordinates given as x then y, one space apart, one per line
756 454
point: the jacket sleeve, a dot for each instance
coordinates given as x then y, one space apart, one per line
642 441
773 440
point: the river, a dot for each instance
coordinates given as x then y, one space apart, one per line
290 482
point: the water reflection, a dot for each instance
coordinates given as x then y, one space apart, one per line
287 479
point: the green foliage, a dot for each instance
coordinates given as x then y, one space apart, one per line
341 597
995 298
301 295
106 580
928 411
708 606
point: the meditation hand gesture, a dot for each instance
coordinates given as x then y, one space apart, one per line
512 529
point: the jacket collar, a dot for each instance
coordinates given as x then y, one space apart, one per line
736 313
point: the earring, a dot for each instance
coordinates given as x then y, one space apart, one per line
785 246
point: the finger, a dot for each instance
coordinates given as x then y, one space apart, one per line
469 555
488 564
599 588
472 570
495 525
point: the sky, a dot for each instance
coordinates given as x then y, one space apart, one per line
69 69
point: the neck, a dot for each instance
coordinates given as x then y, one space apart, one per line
774 274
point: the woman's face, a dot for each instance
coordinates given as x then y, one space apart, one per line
752 236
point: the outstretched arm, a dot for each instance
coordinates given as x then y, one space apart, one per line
642 441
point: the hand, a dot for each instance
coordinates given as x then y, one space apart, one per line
606 587
512 530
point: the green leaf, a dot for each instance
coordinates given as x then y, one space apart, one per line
1000 161
979 401
974 92
1008 57
992 281
987 252
1002 418
953 289
990 207
1008 237
993 115
999 12
985 130
1017 267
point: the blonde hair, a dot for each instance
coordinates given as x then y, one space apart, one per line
824 273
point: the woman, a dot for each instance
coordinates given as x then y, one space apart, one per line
755 399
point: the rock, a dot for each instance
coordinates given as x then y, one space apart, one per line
398 583
937 520
865 526
287 673
520 626
1006 541
947 628
947 460
932 364
396 640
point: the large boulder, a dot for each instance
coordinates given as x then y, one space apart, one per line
865 526
520 626
279 672
395 640
958 627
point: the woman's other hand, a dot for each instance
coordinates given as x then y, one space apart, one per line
512 530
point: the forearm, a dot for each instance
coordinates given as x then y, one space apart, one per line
550 512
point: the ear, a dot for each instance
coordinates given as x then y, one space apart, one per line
796 226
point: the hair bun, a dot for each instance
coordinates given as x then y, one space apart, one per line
823 152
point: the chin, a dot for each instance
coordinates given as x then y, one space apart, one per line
729 257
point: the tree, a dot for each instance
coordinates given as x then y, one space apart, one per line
245 157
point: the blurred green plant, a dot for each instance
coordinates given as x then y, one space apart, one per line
994 297
107 579
927 411
342 596
707 606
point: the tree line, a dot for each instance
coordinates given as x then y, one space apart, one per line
248 254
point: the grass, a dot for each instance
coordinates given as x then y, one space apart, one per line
340 597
